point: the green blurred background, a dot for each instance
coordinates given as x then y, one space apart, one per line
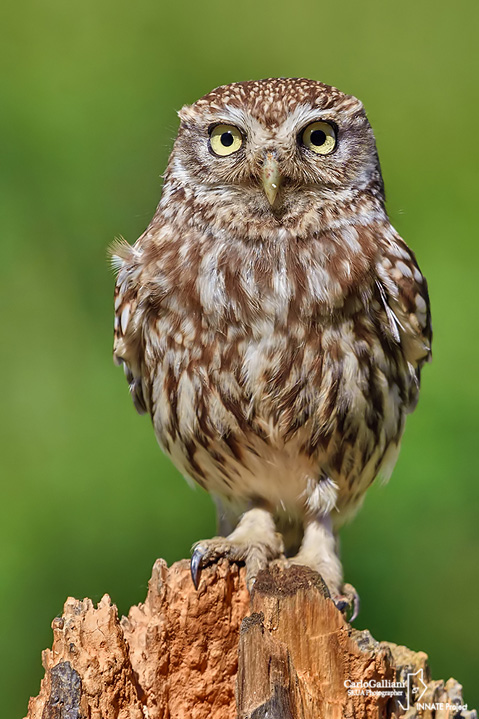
89 94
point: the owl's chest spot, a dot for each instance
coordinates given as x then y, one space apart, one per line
272 375
292 402
263 286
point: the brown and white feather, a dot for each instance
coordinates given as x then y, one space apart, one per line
278 353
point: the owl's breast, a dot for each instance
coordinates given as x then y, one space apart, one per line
285 402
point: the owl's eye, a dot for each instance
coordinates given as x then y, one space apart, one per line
225 139
320 137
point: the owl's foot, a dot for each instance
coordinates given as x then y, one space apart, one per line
319 551
348 602
254 542
255 557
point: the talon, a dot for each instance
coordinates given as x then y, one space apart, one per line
342 604
196 565
355 609
348 603
354 601
250 582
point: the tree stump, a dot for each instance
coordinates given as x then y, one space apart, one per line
287 653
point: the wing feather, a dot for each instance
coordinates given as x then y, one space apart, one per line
404 295
127 346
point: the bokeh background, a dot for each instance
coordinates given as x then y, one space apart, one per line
88 101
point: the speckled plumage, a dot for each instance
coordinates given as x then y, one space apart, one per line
277 349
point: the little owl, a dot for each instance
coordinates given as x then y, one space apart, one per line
272 322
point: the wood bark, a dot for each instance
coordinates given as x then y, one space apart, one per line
216 653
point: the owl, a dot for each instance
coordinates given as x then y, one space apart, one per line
272 322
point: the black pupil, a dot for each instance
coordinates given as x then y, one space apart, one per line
318 138
227 138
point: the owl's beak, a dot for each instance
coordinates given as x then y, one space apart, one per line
271 177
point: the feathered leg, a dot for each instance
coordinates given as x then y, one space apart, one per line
319 550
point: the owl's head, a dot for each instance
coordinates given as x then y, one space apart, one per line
276 149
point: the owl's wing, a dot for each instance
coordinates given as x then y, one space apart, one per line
404 295
128 340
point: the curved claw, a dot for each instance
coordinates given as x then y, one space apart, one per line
356 606
196 565
348 603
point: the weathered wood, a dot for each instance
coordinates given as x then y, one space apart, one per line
297 653
213 654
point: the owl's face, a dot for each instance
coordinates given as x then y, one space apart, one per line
276 148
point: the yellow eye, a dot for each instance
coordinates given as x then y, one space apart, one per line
319 137
225 139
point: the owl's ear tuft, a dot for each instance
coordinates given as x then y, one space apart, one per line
185 113
118 252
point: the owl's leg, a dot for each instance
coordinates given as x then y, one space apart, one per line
319 551
254 541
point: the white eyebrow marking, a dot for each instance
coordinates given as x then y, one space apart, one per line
258 134
299 118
